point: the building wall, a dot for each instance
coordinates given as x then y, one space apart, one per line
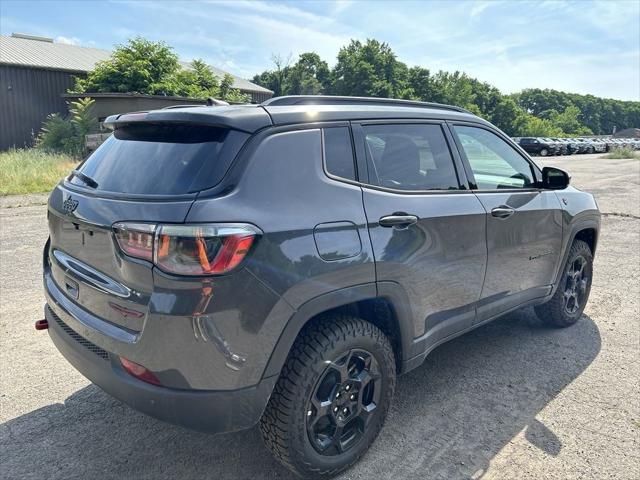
259 97
27 96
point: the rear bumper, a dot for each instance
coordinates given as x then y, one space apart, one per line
209 411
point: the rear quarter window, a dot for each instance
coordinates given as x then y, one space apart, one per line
338 152
157 159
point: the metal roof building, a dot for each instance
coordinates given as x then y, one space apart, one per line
34 74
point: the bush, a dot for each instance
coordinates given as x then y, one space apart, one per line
57 135
32 170
66 135
622 152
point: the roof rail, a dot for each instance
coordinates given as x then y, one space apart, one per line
338 100
210 102
182 105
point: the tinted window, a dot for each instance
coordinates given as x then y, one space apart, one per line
338 153
409 157
162 159
494 162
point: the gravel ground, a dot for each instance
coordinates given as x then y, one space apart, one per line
510 400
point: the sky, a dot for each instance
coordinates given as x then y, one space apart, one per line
587 47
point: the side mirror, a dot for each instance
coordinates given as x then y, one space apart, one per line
554 178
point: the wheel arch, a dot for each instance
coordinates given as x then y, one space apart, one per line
586 230
384 305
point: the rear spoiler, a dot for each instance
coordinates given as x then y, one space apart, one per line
245 118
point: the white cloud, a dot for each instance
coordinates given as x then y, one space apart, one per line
67 40
341 5
478 8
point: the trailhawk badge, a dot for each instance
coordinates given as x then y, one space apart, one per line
70 205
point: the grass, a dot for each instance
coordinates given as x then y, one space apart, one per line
623 152
32 171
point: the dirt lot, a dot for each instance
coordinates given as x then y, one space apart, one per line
510 400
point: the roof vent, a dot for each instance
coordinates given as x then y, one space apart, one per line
32 37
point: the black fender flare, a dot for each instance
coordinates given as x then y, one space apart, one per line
575 228
390 291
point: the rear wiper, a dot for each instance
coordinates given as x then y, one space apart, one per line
90 182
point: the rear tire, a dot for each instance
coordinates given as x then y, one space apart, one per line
332 396
568 302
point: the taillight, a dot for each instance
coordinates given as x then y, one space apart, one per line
210 249
136 239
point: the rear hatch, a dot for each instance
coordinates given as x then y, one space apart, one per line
146 173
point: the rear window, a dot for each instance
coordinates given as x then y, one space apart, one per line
157 159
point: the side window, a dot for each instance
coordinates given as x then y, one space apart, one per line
338 152
409 157
495 164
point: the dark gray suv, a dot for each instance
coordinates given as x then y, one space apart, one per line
282 263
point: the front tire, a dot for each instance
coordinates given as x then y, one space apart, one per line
544 152
332 396
568 302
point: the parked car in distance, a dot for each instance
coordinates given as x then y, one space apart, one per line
561 146
583 145
631 143
573 146
281 264
566 147
539 146
556 146
599 145
592 146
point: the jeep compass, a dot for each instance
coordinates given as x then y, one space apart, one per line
222 266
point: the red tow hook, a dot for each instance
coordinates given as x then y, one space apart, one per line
42 324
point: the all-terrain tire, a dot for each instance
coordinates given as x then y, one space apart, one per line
284 422
555 312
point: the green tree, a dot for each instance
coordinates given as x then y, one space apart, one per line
568 121
151 68
538 127
140 66
600 115
308 76
275 79
370 69
509 117
453 89
421 84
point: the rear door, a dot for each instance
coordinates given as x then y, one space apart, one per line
524 223
144 174
426 228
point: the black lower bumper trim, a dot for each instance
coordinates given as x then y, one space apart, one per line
207 411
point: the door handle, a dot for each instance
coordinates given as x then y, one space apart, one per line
503 211
399 220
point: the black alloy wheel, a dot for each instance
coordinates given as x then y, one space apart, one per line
343 402
576 284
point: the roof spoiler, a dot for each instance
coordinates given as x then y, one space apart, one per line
243 118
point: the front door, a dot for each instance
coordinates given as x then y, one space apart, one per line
426 227
524 223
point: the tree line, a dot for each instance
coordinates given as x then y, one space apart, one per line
371 68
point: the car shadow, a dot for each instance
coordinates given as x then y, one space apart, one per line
449 418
